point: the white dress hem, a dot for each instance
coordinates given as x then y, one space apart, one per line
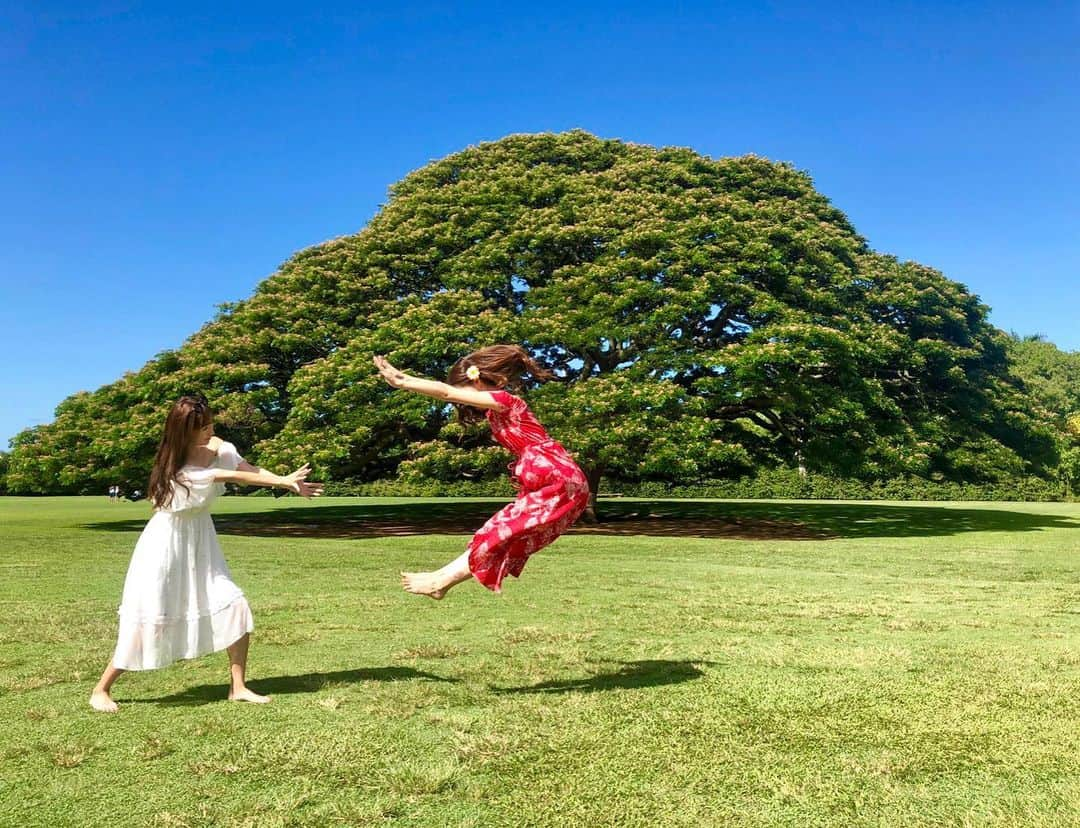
149 645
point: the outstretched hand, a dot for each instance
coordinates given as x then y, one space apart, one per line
394 378
298 484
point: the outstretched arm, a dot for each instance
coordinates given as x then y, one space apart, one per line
433 388
295 482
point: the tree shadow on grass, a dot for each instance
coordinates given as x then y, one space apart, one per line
631 675
740 520
285 685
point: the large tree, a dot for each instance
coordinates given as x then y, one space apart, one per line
704 316
1051 379
1051 376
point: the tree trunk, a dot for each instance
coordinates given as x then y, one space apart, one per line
593 475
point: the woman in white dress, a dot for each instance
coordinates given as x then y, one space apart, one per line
179 599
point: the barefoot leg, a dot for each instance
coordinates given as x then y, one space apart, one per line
100 699
436 584
238 690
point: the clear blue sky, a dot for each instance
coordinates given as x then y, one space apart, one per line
159 159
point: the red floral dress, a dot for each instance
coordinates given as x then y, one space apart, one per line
553 492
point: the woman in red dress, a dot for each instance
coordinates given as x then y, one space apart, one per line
553 491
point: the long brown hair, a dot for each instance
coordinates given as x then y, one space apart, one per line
189 414
503 366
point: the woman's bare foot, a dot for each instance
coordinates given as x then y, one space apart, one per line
102 702
423 583
245 694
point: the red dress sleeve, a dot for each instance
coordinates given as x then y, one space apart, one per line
507 400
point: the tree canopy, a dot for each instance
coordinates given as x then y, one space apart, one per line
1051 378
704 316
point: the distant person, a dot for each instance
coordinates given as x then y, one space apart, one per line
135 495
114 492
553 490
179 598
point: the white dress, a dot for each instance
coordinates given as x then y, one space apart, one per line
179 597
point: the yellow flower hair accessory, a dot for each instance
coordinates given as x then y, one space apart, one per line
473 372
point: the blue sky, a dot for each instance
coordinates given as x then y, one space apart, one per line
159 159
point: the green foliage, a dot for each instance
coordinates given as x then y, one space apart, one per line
1051 381
1051 377
707 318
788 483
495 487
1069 471
774 483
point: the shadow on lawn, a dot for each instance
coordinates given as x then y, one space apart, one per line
632 675
284 685
745 520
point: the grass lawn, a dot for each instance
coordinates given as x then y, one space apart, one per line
687 663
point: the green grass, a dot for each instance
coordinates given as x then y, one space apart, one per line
695 663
